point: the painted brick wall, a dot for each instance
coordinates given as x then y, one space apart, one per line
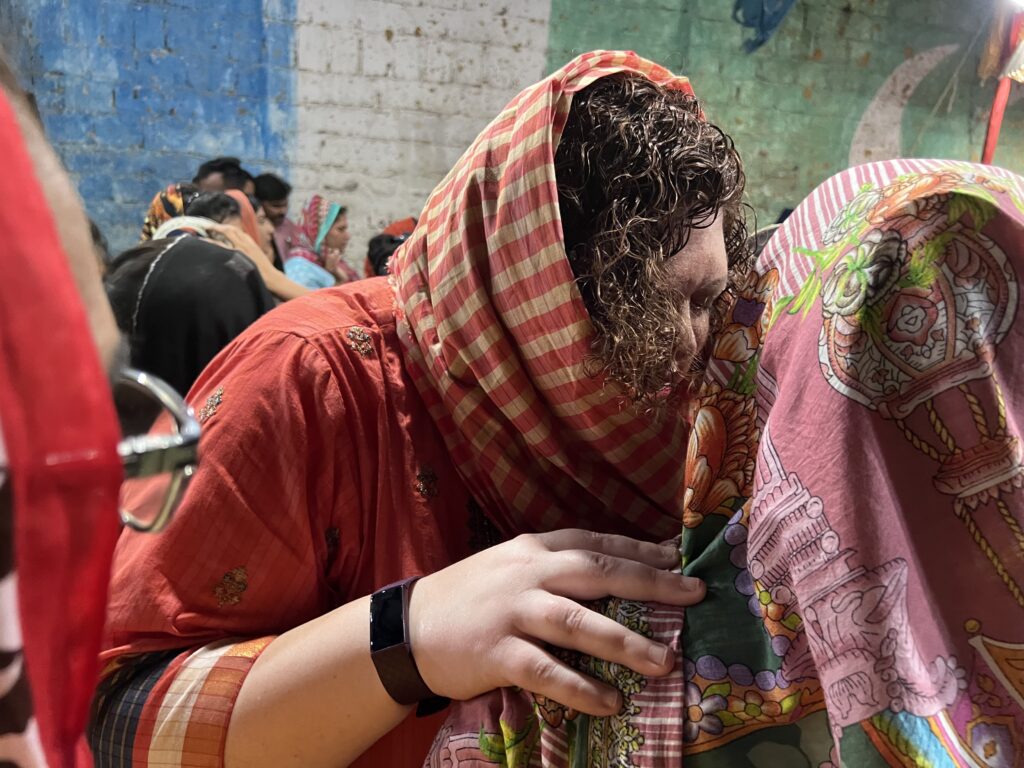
824 92
371 101
135 94
389 94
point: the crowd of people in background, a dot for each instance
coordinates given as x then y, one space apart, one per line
217 253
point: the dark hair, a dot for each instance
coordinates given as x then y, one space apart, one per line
381 248
236 177
217 165
179 302
188 192
783 215
213 205
272 188
638 168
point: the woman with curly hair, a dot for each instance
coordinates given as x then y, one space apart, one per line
503 417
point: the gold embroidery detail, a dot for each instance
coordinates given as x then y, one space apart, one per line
212 404
360 341
232 585
426 484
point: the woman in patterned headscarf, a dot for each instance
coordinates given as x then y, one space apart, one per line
523 371
317 261
855 503
167 204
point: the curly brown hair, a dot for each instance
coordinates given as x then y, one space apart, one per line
638 168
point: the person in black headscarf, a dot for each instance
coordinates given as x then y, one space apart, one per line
180 301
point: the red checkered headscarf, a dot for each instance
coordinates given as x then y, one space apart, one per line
496 335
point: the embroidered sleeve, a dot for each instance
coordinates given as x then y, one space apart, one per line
170 708
244 557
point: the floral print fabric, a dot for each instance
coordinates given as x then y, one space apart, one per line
854 502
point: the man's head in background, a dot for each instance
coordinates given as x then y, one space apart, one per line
224 173
273 191
240 179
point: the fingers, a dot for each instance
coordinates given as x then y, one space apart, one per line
232 232
537 671
587 575
654 555
567 624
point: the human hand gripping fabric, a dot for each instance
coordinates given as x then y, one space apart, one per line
482 623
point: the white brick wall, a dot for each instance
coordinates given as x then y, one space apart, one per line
391 92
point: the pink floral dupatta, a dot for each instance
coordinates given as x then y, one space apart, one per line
854 502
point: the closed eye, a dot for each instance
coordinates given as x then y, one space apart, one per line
706 299
703 304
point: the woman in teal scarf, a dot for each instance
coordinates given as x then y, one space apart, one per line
317 262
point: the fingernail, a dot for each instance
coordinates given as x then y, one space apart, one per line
671 553
658 654
611 700
690 584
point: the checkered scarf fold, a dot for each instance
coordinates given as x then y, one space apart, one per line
496 335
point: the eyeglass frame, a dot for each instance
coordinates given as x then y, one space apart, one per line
149 455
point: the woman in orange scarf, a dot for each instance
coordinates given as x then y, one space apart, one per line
254 241
523 372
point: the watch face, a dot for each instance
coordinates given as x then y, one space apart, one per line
387 624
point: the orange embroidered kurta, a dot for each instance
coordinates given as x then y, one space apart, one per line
322 479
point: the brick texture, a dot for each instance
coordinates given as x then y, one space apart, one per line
134 95
372 101
389 94
794 106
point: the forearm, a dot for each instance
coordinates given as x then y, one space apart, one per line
313 697
282 286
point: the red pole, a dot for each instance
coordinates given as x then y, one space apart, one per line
995 120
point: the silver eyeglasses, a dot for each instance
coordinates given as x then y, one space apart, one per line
169 449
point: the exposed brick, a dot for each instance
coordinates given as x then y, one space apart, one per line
134 95
793 106
373 100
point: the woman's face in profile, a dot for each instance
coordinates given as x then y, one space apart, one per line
266 227
338 236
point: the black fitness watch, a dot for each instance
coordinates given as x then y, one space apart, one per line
392 653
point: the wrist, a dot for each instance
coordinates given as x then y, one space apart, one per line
422 631
391 649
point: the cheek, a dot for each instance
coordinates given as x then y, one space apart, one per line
701 329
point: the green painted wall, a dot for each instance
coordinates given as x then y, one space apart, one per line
794 106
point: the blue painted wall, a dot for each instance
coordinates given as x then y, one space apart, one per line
134 95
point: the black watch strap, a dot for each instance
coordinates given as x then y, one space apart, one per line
392 653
